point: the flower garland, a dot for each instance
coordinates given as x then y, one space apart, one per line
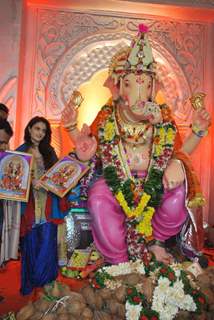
173 291
137 203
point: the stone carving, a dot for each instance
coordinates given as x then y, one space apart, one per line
72 46
93 54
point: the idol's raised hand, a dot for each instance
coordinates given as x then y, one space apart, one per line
85 144
69 116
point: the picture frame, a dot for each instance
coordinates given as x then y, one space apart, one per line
63 176
15 175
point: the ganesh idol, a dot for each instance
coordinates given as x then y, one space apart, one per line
146 191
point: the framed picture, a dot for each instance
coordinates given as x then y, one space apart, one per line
63 176
15 175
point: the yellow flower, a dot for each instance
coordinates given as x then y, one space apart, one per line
170 136
142 204
162 135
123 203
144 228
150 211
109 131
158 150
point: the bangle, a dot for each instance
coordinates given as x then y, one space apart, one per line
71 127
198 132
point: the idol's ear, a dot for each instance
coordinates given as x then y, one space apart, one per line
112 86
109 82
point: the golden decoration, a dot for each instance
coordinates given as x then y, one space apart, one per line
197 100
76 99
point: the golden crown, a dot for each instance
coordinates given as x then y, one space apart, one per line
137 58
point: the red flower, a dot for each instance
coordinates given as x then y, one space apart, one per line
201 300
171 276
143 317
137 299
154 318
129 291
163 270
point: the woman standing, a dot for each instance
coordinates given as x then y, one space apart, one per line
41 214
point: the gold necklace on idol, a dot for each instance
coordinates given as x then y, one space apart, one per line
132 133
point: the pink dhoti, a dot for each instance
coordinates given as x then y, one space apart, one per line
170 216
108 220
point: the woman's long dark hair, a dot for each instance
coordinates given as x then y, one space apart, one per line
45 148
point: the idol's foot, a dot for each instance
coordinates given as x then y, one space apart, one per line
161 254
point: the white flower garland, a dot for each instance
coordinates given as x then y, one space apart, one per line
168 298
133 311
125 268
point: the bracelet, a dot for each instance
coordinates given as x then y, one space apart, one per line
198 132
71 127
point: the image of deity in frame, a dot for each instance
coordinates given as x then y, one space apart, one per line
63 176
15 175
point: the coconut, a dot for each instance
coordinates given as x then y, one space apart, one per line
133 279
76 308
121 310
49 316
87 314
101 315
120 294
63 316
105 293
98 301
42 305
112 306
75 296
36 316
87 291
26 312
148 288
55 292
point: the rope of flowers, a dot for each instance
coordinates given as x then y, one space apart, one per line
173 291
137 203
